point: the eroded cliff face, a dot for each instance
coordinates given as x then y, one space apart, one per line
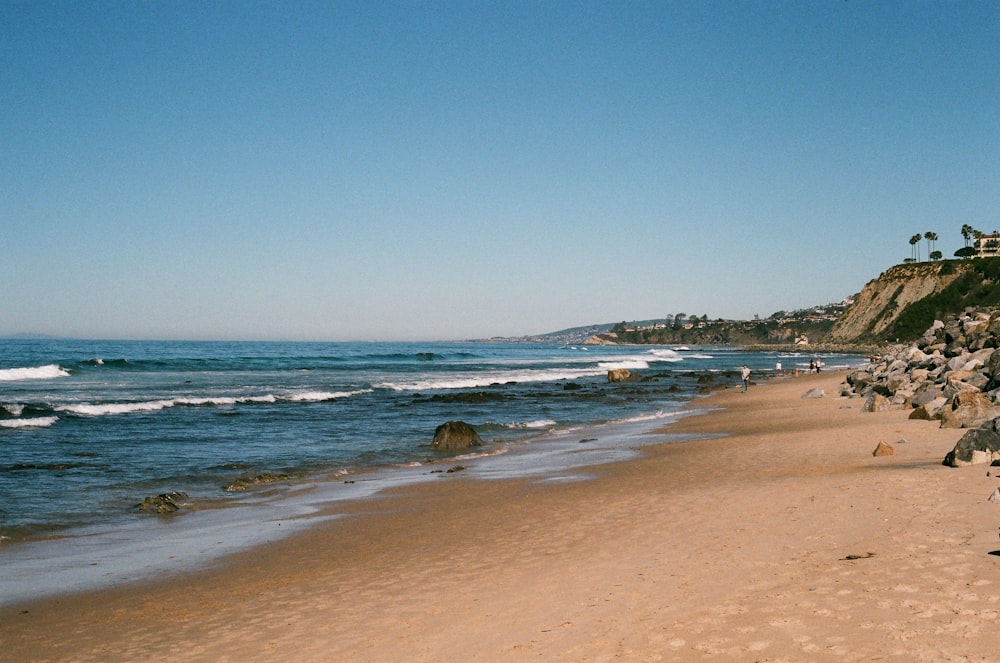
882 300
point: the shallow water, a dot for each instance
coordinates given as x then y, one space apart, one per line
88 429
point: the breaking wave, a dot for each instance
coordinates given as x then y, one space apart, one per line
35 422
34 373
102 409
631 364
472 380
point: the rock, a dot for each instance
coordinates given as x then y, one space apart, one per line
877 403
994 496
620 375
930 410
814 393
244 482
163 503
883 449
992 370
455 436
928 393
979 445
967 409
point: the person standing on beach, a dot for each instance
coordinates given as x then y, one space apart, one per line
777 368
745 375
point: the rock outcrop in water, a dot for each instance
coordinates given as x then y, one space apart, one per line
163 503
951 375
247 482
455 436
620 375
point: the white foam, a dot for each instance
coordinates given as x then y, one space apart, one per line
538 423
631 364
34 373
663 354
34 422
652 416
115 408
13 409
102 409
470 381
318 396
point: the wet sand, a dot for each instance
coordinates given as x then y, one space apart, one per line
784 540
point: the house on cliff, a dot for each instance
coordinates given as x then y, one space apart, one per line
987 246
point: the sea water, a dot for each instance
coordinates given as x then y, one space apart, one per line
260 435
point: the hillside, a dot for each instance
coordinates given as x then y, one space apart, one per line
905 300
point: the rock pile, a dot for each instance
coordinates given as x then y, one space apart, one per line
952 375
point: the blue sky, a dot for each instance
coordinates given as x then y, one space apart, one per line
446 170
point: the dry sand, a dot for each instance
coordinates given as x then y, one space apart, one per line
784 541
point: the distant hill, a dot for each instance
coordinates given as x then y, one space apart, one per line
574 335
899 305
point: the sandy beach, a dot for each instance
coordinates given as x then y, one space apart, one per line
783 540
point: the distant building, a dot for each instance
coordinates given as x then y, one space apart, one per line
987 246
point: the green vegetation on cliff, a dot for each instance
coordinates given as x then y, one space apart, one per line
977 284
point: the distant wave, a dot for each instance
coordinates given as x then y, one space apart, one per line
632 364
34 373
319 396
98 361
420 356
470 381
13 409
103 409
666 355
35 422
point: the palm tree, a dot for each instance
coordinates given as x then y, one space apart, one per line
967 233
914 242
931 237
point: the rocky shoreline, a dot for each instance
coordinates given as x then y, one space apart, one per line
951 374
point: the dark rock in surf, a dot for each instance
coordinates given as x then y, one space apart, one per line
246 482
465 397
163 503
455 436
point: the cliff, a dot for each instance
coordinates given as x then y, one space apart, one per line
906 299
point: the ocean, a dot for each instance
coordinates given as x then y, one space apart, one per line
256 436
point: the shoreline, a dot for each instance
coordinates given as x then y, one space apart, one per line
736 544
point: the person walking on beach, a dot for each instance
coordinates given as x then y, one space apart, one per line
745 375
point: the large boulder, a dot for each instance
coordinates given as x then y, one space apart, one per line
877 403
455 436
929 410
979 445
620 375
967 409
993 370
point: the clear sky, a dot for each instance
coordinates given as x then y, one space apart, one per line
443 170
